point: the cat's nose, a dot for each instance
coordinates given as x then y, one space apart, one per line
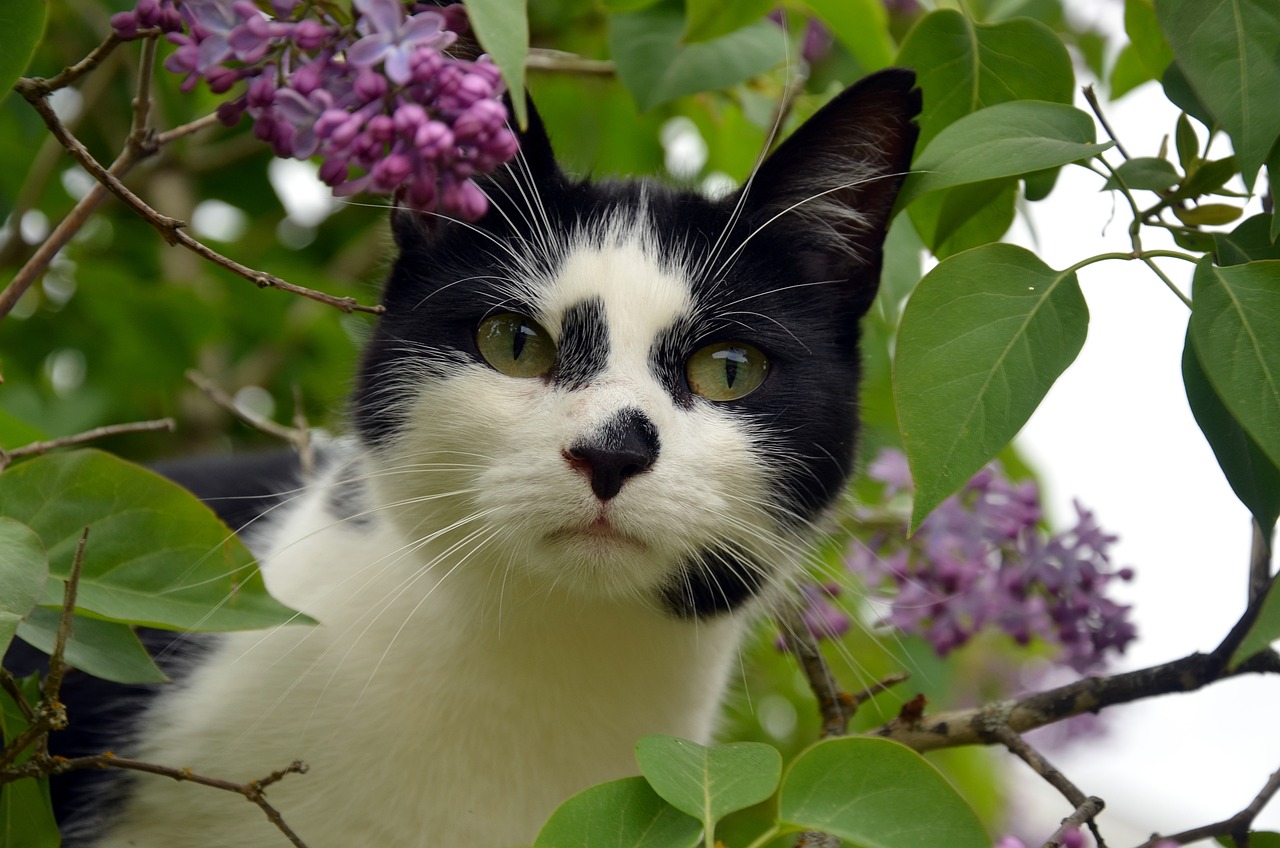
625 446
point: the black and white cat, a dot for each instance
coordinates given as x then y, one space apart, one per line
594 432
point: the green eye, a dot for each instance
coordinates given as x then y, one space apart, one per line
726 371
515 345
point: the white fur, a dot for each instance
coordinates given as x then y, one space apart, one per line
481 654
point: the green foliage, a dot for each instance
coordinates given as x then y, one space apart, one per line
106 649
158 556
625 813
22 22
985 334
26 818
502 28
24 569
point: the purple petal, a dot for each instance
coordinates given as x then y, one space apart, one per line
384 15
369 50
396 65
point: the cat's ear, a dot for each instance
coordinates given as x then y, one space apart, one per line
534 162
834 181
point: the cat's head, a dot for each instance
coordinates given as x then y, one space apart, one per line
628 390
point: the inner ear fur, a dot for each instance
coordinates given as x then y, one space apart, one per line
835 179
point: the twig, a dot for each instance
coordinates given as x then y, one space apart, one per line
1092 100
95 58
169 228
1055 778
10 686
38 448
253 790
972 726
835 706
1236 827
50 714
306 450
1086 811
299 437
542 59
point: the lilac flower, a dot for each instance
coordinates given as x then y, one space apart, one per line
378 102
981 560
392 38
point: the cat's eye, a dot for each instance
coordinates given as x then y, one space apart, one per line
726 371
516 345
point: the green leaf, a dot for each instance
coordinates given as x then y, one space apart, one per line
24 569
1264 632
862 26
982 339
1207 177
1006 140
1227 50
26 814
877 794
1144 33
708 19
1145 172
1257 839
1178 89
625 813
966 216
1253 477
1251 241
1208 214
709 783
963 66
155 555
1235 326
1127 73
656 67
22 22
14 432
106 649
502 28
1187 142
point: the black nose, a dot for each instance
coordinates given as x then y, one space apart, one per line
625 446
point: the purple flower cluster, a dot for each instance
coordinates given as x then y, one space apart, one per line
981 560
379 101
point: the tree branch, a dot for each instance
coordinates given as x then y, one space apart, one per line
38 448
1237 827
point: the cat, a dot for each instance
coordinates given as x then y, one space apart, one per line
593 436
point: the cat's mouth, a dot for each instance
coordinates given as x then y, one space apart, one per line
599 534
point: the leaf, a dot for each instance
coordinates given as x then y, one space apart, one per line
1127 73
1253 477
1264 632
1148 42
14 432
963 66
655 67
1227 50
1187 142
708 19
1208 214
1248 242
625 813
22 22
106 649
156 555
877 794
1178 89
982 339
1257 839
1235 326
966 216
709 783
862 26
26 813
502 28
24 569
1145 172
1006 140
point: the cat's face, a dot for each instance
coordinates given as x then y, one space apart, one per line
629 391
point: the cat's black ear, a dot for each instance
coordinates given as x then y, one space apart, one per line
534 162
834 181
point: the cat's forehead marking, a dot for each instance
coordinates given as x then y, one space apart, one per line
637 295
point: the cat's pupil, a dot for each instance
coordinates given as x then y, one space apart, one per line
519 337
731 358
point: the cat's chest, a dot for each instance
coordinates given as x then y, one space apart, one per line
422 698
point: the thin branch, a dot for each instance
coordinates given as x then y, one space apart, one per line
1236 826
170 228
1085 812
835 706
253 790
558 61
10 685
38 448
96 57
972 726
1055 778
1092 100
299 437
